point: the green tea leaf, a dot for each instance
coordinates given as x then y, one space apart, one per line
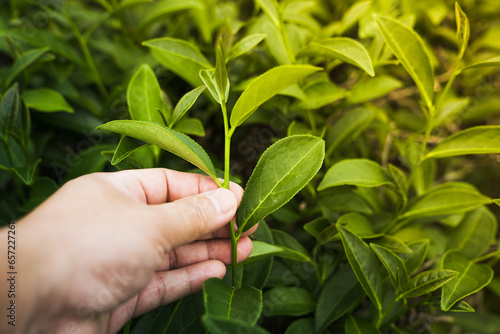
393 264
208 78
446 199
179 56
190 126
270 7
492 62
244 304
10 109
357 172
463 30
341 293
373 88
266 86
320 94
472 277
414 260
348 127
160 8
185 103
357 326
284 300
144 97
221 325
47 100
165 138
364 264
284 168
427 281
315 227
410 50
245 45
475 234
261 250
126 147
221 78
27 58
292 249
342 48
476 140
300 326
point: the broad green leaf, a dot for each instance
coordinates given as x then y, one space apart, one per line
181 57
389 242
320 94
144 97
266 86
348 127
292 249
26 59
300 326
400 180
283 169
342 48
284 300
472 277
257 273
261 250
126 147
274 40
340 294
221 325
414 260
463 30
410 50
165 138
25 173
356 172
244 304
450 110
160 8
345 201
185 103
358 326
357 224
475 234
373 88
460 306
245 45
393 264
492 62
476 140
364 264
315 227
45 99
208 78
446 199
270 7
427 281
190 126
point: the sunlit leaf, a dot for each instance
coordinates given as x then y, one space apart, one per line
185 103
266 86
284 168
427 281
463 30
472 277
27 58
342 48
165 138
284 300
410 50
245 45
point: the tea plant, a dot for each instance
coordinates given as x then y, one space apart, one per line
377 217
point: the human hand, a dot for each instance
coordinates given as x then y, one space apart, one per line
107 247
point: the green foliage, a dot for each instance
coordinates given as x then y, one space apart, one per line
399 97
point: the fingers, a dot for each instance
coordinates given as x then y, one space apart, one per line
168 286
160 185
187 219
200 251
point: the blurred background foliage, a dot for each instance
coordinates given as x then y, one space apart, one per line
71 62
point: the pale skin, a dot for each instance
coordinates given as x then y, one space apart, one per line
108 247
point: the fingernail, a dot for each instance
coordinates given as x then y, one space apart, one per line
222 199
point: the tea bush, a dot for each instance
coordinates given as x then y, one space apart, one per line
365 134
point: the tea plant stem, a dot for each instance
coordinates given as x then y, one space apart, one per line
227 159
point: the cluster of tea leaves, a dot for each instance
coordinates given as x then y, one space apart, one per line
397 231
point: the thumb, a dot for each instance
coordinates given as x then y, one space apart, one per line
190 218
